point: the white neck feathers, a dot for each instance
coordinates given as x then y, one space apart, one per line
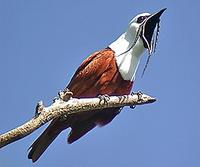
129 61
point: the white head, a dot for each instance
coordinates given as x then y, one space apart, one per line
137 21
133 42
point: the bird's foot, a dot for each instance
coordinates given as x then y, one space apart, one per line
122 98
139 94
39 108
65 95
105 98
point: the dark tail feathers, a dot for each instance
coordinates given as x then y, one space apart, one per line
42 142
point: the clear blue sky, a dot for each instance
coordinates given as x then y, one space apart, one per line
43 42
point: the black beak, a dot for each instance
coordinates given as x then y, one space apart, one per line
148 28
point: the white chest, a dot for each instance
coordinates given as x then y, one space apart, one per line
128 62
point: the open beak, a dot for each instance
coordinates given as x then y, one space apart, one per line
148 28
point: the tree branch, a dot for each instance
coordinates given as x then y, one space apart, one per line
69 109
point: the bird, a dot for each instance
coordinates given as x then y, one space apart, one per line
110 71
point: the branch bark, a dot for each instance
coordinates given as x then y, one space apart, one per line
68 109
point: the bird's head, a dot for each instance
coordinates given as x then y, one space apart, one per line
143 26
141 34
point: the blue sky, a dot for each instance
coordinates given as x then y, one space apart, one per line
43 42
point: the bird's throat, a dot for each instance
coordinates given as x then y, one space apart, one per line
127 62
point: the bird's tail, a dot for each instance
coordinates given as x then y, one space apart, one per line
43 141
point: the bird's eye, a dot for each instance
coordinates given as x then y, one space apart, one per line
141 19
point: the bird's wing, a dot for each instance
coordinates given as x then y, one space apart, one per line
98 74
84 82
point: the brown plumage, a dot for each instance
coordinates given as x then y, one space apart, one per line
97 75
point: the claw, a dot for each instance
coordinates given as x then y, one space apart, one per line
132 93
65 95
139 94
105 98
122 98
